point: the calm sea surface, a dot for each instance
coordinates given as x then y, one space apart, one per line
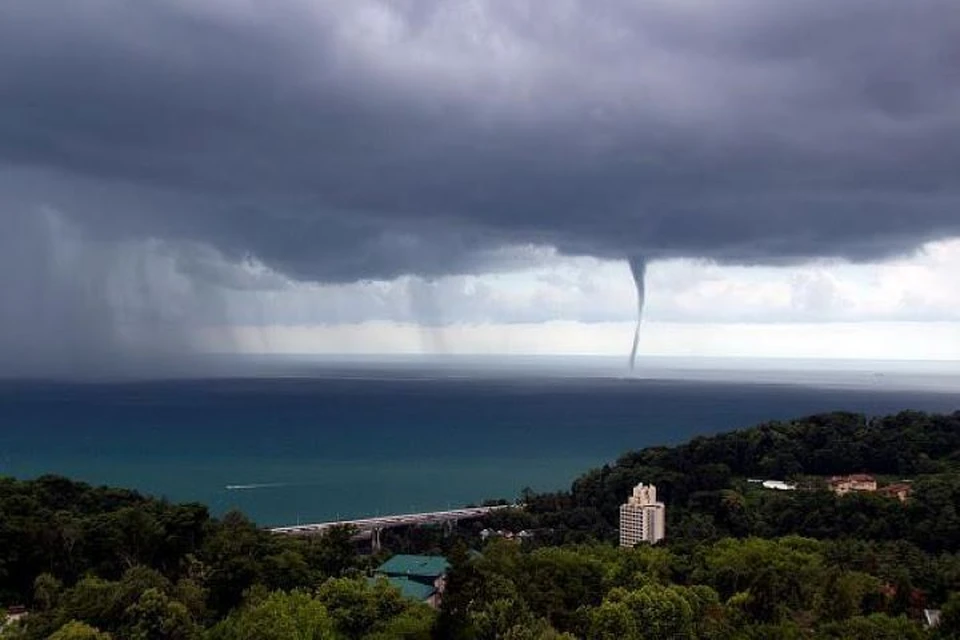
359 440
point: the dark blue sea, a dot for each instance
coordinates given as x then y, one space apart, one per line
350 441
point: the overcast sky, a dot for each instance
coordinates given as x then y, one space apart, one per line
347 175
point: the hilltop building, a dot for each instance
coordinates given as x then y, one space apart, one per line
642 518
899 490
842 485
420 578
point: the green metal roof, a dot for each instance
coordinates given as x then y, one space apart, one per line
412 589
415 566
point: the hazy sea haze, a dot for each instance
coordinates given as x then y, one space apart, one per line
356 437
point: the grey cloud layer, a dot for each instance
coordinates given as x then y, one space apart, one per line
337 140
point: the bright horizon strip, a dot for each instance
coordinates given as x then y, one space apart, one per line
904 309
921 341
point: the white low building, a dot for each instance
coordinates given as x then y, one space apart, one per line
778 485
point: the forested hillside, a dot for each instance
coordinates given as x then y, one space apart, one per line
739 561
704 483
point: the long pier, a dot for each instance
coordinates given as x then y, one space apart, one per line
373 526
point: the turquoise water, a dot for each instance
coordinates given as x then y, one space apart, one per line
365 442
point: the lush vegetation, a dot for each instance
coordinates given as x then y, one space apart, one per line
739 561
704 482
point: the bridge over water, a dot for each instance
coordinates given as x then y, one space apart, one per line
373 526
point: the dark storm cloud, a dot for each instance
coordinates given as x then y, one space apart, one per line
337 140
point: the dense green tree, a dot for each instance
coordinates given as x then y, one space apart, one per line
633 568
286 569
193 597
844 593
785 571
94 601
78 631
413 623
556 581
612 620
497 618
661 612
234 552
950 617
46 591
334 553
877 626
279 616
359 608
155 616
356 606
464 583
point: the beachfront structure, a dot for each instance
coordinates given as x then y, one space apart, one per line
642 518
420 578
842 485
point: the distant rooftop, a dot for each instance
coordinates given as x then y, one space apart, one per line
414 566
855 477
410 588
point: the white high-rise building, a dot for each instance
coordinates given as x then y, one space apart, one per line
642 518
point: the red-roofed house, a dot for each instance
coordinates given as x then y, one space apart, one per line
841 485
898 490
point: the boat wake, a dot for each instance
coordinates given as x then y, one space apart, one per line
251 487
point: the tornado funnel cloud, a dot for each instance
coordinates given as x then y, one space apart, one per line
638 268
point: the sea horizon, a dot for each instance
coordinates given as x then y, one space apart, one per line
299 440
